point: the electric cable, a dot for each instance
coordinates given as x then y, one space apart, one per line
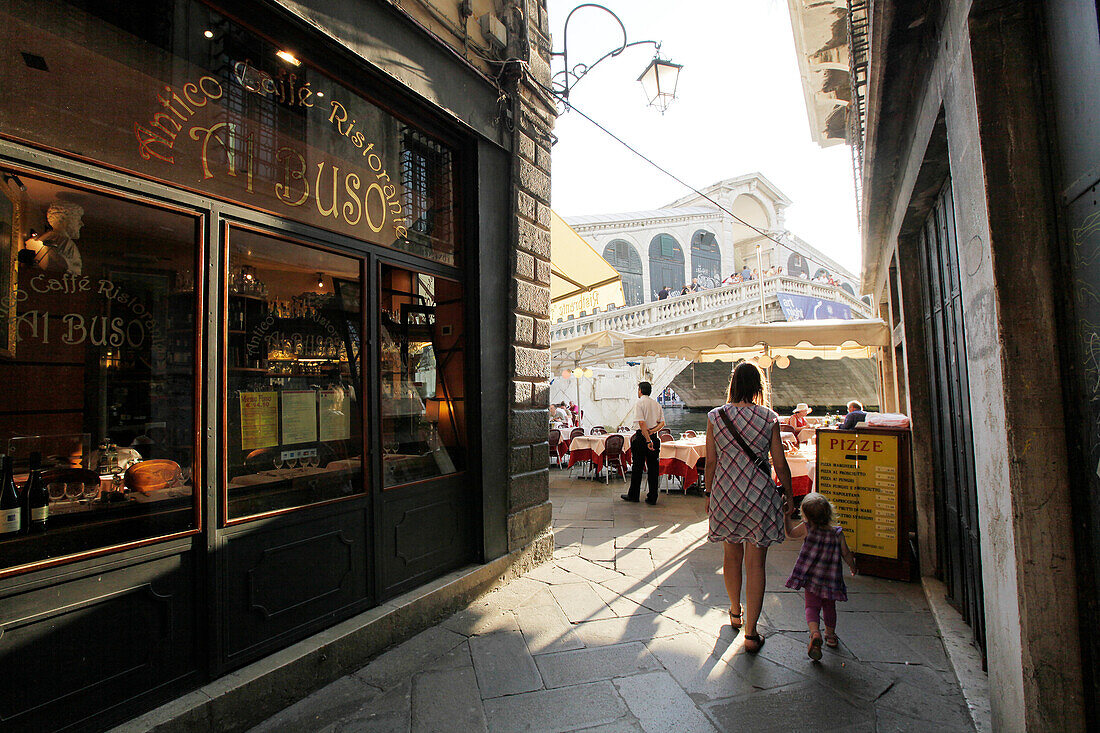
569 105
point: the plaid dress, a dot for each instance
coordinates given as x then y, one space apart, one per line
744 503
818 565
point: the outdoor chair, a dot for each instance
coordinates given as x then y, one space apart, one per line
555 446
665 437
690 434
663 432
599 430
626 429
614 456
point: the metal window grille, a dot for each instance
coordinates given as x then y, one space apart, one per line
428 180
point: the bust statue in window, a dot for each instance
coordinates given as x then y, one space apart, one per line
56 251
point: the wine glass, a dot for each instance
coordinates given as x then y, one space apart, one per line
277 459
313 461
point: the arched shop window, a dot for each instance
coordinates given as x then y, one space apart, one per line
797 265
666 264
625 259
822 272
706 259
847 288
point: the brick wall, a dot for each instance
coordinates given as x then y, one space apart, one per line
532 117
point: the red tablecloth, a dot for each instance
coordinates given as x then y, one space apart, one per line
591 448
680 458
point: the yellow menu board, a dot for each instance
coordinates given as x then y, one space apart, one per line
259 420
859 475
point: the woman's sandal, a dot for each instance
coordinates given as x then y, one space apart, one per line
757 640
813 651
831 640
735 619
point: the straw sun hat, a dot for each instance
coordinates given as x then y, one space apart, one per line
803 407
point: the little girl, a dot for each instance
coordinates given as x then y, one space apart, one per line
817 570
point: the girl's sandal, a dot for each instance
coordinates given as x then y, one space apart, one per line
757 641
831 640
813 651
735 619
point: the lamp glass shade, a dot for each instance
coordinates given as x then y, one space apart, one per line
566 374
782 361
659 82
765 361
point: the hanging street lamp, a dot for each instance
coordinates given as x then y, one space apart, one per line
658 80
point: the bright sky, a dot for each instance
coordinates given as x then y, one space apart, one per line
739 109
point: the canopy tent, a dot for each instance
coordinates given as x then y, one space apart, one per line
831 339
594 349
580 279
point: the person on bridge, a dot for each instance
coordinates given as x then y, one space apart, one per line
664 292
747 511
645 446
685 290
695 286
746 274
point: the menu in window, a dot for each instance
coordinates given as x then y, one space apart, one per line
335 420
859 475
299 416
259 420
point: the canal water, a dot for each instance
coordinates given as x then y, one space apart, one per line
679 419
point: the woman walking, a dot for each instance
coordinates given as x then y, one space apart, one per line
746 509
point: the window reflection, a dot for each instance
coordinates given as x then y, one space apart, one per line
97 352
423 392
292 367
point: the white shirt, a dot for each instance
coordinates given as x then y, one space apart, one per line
646 409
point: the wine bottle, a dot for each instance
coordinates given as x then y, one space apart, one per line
11 514
37 502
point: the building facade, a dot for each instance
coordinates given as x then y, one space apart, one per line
975 126
692 238
276 328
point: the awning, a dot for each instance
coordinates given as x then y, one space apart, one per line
580 280
833 339
594 349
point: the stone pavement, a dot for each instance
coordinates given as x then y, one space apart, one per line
627 631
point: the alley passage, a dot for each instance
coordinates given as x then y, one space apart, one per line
627 631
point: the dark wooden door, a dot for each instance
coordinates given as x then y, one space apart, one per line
951 430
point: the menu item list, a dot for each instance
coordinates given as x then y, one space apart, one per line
859 475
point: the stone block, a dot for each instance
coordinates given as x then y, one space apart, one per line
447 700
519 459
521 393
532 364
524 526
542 272
535 181
774 710
531 298
564 709
525 265
524 330
661 706
526 145
540 391
528 489
542 157
504 665
543 217
600 663
528 426
542 334
534 239
526 206
403 661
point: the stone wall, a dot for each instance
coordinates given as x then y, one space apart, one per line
532 118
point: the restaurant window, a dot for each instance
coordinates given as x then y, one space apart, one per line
175 91
292 375
97 357
422 348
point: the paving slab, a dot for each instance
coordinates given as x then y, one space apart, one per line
805 706
390 711
580 602
399 664
504 665
551 711
600 663
661 705
547 629
447 701
641 626
326 707
587 570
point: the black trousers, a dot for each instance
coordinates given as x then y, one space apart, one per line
647 457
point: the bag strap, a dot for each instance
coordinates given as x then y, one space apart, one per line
759 461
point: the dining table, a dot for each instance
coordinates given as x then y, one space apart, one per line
591 448
682 458
803 465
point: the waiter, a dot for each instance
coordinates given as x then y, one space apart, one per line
649 418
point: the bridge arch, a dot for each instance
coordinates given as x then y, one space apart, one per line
706 259
666 264
622 255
